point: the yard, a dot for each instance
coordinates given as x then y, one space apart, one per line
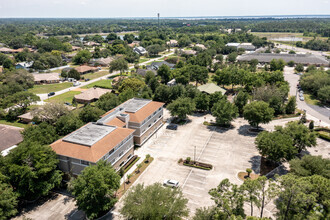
103 83
309 99
95 75
65 97
47 88
14 123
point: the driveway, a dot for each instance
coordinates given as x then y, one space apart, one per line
315 113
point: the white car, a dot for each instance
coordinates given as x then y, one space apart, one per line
171 183
302 98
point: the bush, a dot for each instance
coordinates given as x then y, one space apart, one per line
188 159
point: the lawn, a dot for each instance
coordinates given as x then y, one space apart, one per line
65 97
103 83
309 99
95 75
14 123
142 60
47 88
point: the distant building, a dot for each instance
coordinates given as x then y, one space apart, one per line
92 44
86 69
171 83
172 43
202 46
90 95
134 44
245 46
140 50
211 88
46 78
24 65
10 138
305 59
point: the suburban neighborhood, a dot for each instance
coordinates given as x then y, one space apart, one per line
202 118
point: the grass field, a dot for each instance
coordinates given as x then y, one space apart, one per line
95 75
142 60
14 123
284 34
103 83
65 97
47 88
309 99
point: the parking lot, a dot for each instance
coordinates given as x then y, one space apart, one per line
228 150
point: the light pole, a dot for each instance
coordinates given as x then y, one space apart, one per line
194 154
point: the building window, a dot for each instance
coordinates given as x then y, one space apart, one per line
84 162
149 126
122 163
121 153
160 116
111 151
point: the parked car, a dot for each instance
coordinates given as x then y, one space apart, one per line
171 183
68 103
87 80
301 94
51 93
172 127
76 83
301 98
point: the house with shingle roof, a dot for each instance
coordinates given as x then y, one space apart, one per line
86 69
10 138
47 78
211 88
91 95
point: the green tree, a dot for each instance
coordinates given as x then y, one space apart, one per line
154 202
155 49
258 112
224 112
107 101
324 94
228 198
240 100
132 83
162 93
31 168
290 107
277 64
50 112
90 114
112 36
251 190
310 165
199 74
8 201
303 198
232 57
82 57
275 146
95 188
126 95
300 134
209 213
67 124
73 73
21 99
181 107
42 134
291 63
202 101
299 68
164 72
119 64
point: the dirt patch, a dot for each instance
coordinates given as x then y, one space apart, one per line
79 89
244 176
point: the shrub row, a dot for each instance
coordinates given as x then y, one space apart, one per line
127 166
196 164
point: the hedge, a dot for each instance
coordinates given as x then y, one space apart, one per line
129 165
203 168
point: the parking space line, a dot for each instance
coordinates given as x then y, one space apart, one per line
199 188
196 195
202 182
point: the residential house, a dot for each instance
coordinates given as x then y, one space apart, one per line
24 65
134 44
143 72
90 95
211 88
10 138
140 50
171 83
46 78
86 69
305 59
156 65
75 48
172 43
105 62
92 44
202 46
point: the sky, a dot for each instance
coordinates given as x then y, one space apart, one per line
166 8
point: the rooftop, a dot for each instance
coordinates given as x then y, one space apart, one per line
10 136
211 88
82 69
89 134
91 94
45 76
134 105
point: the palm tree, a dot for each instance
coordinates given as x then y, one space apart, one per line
138 167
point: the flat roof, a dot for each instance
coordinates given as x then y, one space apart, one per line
89 134
134 105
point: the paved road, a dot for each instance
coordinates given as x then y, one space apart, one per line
315 113
44 96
